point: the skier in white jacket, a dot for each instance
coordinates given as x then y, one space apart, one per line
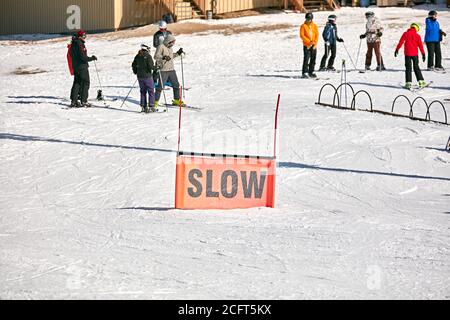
374 31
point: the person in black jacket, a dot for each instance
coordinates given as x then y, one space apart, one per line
161 35
144 68
80 64
330 37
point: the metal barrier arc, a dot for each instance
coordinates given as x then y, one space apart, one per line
443 108
336 94
414 103
320 93
392 113
407 99
353 105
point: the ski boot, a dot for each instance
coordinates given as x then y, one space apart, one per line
439 69
430 69
322 69
408 85
86 105
422 84
305 76
383 68
368 68
312 75
378 68
331 69
75 104
178 103
143 107
154 108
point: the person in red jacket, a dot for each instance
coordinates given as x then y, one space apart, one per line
413 43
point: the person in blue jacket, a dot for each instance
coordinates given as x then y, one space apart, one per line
433 38
330 37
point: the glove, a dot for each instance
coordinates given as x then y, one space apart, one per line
327 44
94 58
443 33
423 58
340 40
180 51
396 53
362 36
167 58
379 34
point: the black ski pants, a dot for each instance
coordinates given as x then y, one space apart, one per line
414 61
309 59
328 49
434 54
81 84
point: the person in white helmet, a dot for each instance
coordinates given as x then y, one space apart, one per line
161 34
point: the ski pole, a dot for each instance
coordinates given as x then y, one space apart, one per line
349 55
129 92
342 82
163 89
182 71
359 48
345 81
100 93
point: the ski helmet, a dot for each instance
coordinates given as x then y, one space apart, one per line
432 13
145 47
309 16
332 18
370 14
81 33
162 24
415 26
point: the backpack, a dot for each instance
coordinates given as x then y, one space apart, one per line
69 58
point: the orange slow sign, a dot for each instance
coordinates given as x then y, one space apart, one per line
225 182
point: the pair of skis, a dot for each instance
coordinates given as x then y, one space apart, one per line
417 88
93 105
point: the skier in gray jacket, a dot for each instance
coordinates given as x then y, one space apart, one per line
164 62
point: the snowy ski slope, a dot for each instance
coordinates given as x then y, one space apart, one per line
87 196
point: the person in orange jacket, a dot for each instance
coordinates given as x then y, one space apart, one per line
309 33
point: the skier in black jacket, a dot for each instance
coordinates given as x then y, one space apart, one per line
143 68
161 34
80 59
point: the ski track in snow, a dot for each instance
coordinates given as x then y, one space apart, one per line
87 195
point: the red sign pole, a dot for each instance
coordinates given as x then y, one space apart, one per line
276 127
178 152
179 118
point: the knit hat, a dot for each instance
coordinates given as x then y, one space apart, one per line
81 33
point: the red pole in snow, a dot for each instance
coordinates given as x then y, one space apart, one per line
276 127
179 118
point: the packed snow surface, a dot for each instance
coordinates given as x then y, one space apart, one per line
87 195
